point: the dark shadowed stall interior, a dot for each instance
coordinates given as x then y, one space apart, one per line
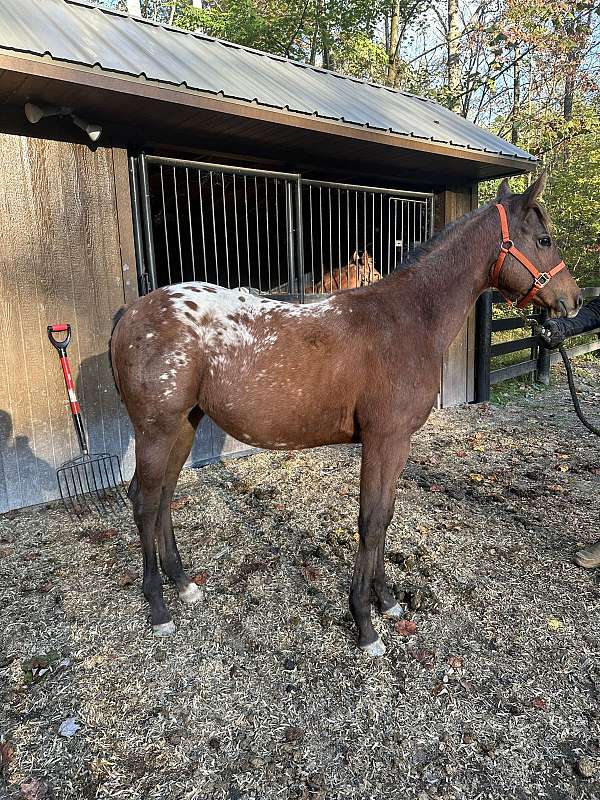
213 162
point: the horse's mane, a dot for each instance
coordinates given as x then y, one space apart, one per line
425 248
415 257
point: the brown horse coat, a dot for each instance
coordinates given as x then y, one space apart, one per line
362 365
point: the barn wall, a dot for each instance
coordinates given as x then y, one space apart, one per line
64 248
458 367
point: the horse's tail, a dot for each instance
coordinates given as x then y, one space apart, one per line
115 322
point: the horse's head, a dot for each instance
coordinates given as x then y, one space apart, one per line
529 267
366 269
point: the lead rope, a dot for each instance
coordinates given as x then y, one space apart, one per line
573 392
569 370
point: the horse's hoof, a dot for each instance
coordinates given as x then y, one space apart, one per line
191 594
164 629
395 612
375 649
588 558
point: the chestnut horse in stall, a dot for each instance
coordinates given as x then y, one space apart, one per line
366 369
359 271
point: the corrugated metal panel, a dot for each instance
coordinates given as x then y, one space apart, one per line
75 32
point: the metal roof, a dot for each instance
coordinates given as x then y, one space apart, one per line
75 32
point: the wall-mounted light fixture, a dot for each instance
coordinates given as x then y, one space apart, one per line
36 111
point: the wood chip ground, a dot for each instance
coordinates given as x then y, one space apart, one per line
493 692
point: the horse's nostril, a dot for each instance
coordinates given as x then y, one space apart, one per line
563 306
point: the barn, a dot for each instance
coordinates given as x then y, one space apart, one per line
136 155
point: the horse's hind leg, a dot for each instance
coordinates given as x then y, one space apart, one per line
382 461
170 560
152 450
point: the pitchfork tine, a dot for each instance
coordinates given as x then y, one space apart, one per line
101 495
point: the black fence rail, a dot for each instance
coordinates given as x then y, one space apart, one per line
540 358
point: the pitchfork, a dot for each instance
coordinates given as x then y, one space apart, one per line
92 481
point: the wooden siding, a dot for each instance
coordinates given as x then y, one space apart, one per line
458 367
60 261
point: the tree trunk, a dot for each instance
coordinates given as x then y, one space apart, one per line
453 56
568 98
315 37
392 71
514 137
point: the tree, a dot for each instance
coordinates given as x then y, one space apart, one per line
453 79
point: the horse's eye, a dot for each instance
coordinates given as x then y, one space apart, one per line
544 241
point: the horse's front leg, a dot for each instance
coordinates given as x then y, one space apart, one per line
383 459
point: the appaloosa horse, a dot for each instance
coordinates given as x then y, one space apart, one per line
365 368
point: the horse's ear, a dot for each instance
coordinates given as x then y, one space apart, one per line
531 195
503 191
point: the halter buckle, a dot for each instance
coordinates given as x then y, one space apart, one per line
542 280
507 245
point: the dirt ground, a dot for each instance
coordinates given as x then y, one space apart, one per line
493 692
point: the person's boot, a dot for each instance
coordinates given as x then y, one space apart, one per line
589 557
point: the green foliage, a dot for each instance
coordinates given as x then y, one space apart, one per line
573 200
358 55
570 151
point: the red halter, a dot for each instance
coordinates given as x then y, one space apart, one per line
540 279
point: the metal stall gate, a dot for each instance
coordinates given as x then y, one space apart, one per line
276 233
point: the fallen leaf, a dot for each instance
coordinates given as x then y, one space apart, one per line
126 578
539 703
436 487
455 662
461 453
554 624
97 537
201 578
406 627
425 657
44 588
476 476
279 507
294 734
35 789
7 753
563 468
556 487
40 666
310 573
68 727
180 502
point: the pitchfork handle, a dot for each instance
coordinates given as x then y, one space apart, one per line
61 346
62 328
